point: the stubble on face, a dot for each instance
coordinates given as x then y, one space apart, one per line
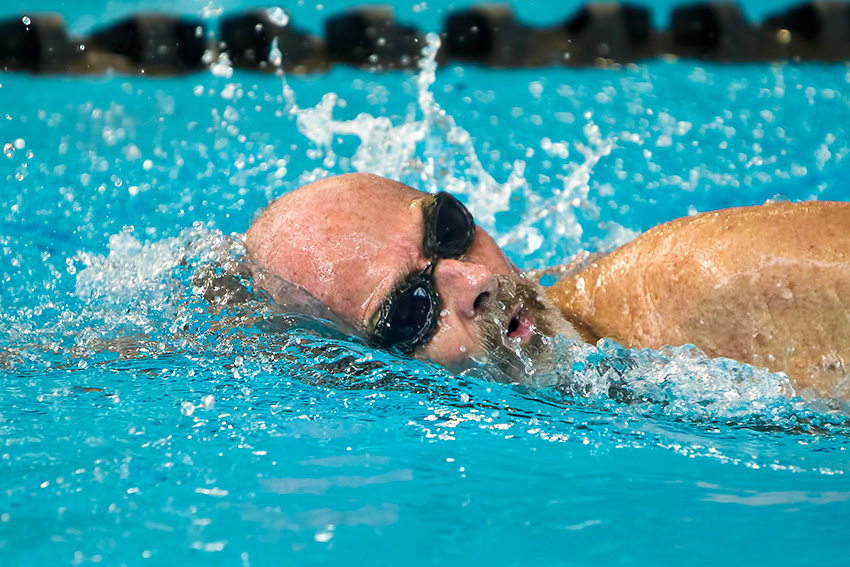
517 359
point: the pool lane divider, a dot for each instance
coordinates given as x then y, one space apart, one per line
369 37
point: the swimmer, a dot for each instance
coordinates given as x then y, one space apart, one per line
767 285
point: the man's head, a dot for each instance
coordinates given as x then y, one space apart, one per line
358 244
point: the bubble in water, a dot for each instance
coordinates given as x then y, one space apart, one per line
187 408
26 20
208 402
9 150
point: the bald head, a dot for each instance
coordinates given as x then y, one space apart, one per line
331 233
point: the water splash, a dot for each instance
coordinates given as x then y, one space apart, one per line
93 429
161 290
145 295
429 150
146 312
672 381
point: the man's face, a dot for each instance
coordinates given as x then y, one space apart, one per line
353 240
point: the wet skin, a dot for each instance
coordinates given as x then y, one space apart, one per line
351 240
767 285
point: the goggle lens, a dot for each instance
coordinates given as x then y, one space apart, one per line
409 316
450 228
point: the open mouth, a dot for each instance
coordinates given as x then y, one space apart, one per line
521 324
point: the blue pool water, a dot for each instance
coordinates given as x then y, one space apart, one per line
135 429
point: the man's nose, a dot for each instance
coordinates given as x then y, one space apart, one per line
464 287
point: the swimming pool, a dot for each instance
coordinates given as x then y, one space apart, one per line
203 445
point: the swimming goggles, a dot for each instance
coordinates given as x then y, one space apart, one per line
408 316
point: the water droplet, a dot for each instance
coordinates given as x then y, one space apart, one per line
275 55
222 67
26 20
326 535
278 16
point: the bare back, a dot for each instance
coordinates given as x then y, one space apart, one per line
766 285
